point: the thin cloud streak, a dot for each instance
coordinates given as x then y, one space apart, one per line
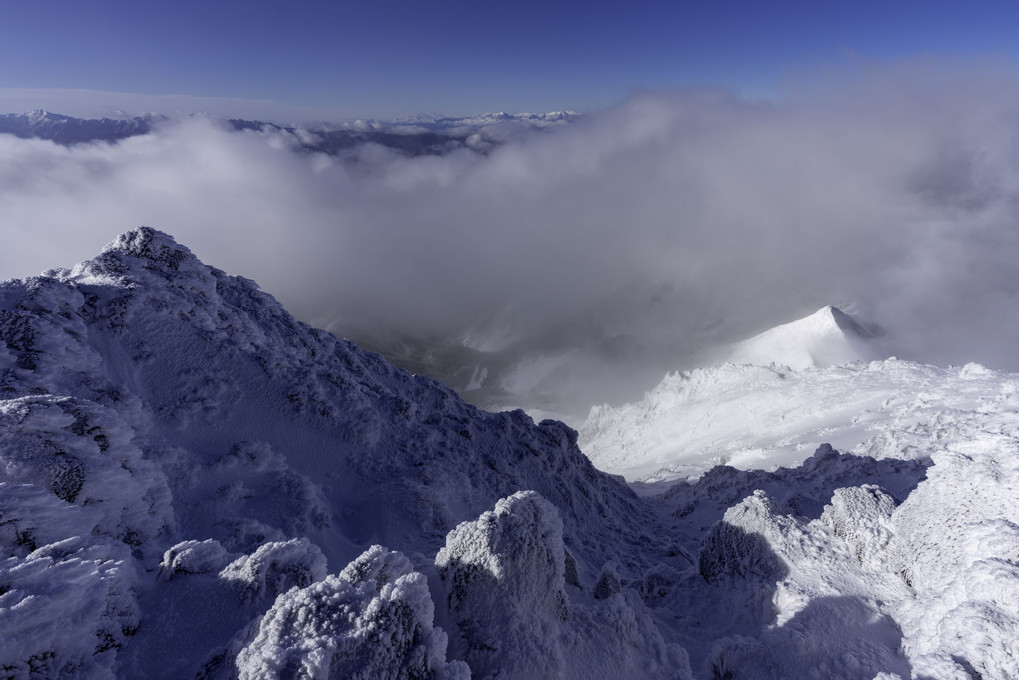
677 218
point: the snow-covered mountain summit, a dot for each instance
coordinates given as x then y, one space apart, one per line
827 337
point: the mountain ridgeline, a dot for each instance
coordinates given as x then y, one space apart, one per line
434 136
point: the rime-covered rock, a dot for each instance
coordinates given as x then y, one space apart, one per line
372 621
276 567
861 516
193 557
503 576
956 545
736 546
66 609
504 579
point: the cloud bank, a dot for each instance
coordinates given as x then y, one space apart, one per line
682 218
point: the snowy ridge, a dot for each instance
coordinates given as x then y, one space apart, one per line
173 443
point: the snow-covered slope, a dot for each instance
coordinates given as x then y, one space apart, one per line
760 417
771 402
192 484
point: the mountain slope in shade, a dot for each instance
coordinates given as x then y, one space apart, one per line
150 401
192 484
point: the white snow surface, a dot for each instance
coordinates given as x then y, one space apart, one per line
754 416
194 485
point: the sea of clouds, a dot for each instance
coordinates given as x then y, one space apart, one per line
893 190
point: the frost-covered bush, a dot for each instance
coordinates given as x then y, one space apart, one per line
862 516
371 622
504 579
735 548
193 557
275 567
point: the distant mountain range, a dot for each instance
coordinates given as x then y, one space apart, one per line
418 136
66 130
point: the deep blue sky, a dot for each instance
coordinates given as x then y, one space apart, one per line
396 57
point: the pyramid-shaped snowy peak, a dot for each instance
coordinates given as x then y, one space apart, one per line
828 337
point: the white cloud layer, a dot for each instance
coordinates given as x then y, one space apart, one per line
898 191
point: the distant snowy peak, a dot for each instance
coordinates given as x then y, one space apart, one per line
828 337
68 131
479 120
416 136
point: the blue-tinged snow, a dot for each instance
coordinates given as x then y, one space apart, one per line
193 484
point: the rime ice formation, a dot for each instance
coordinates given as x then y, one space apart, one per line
193 484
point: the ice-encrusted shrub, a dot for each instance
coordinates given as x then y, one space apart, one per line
504 579
738 657
373 621
861 516
608 581
275 567
193 557
734 546
504 576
